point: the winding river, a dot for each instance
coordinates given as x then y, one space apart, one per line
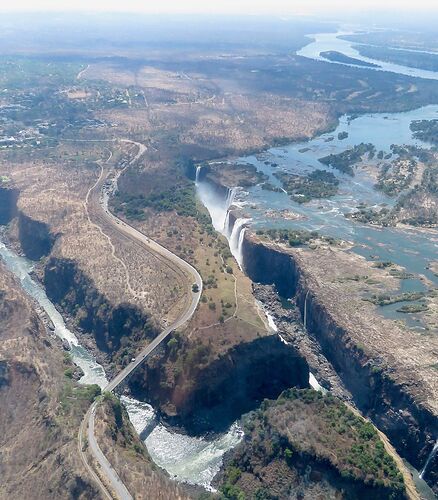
196 460
323 42
185 458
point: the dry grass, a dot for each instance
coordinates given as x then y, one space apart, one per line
55 193
38 447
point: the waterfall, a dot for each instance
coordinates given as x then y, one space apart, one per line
216 200
315 385
239 257
198 173
305 310
271 323
230 198
429 460
227 231
236 239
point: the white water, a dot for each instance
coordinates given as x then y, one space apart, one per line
272 324
216 204
227 231
194 460
429 460
21 267
188 459
314 384
305 310
236 239
198 171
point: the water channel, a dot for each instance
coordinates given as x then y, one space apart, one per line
196 460
190 459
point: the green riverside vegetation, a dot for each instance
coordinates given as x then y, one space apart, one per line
182 200
344 161
305 429
317 184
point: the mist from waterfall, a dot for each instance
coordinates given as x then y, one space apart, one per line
236 239
216 203
218 207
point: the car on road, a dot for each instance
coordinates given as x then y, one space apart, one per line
132 360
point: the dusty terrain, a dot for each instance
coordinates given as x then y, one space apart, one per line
38 445
204 117
196 109
57 195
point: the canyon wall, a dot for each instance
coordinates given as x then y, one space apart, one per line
35 237
114 327
206 392
411 426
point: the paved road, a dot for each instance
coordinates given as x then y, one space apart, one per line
82 453
106 218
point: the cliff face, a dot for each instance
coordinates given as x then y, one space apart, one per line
115 328
35 237
270 267
410 425
206 393
8 204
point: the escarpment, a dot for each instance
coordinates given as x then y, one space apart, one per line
38 424
384 366
117 329
308 445
204 391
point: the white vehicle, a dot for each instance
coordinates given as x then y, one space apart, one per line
132 360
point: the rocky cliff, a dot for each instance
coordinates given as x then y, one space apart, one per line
307 445
203 392
117 330
38 426
379 383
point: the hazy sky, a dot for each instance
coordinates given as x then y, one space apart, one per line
219 6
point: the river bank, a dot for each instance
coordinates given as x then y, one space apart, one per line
186 459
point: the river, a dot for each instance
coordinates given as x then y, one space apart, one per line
323 42
413 249
197 460
190 459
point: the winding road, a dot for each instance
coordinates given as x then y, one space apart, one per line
97 205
